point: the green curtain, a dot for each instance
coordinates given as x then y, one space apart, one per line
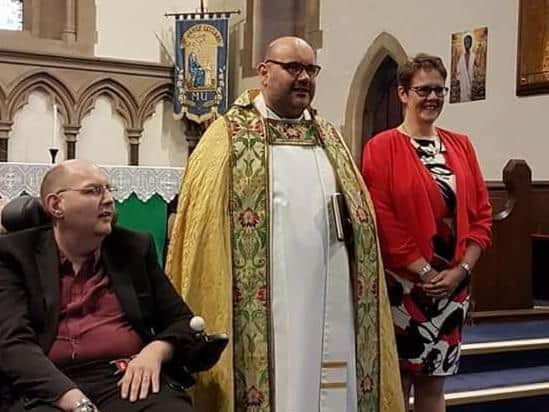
150 216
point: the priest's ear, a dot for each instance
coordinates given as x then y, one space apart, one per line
263 73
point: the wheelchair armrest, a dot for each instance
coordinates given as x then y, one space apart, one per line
206 353
200 356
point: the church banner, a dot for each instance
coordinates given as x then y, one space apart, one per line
201 68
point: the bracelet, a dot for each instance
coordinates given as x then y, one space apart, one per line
424 270
466 267
84 405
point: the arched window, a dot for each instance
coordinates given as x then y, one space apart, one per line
11 15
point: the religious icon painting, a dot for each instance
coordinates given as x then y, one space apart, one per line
468 65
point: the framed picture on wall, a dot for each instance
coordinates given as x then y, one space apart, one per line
468 65
533 48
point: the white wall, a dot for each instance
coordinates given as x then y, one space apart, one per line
501 127
237 84
32 133
163 141
102 137
126 28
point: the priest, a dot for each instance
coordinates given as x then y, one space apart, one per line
259 248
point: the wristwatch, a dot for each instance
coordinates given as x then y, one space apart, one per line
424 270
466 267
84 405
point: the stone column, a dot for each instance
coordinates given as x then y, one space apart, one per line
5 129
71 134
134 136
35 27
69 30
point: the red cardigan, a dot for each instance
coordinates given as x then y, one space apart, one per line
408 201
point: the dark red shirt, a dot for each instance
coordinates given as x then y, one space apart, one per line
92 324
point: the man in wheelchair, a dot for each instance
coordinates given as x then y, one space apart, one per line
88 319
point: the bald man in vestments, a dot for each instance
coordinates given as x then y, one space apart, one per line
255 249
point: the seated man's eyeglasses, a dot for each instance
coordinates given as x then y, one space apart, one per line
296 68
90 190
424 91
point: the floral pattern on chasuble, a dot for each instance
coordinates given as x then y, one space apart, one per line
289 133
250 136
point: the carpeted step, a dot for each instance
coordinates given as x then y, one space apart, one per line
528 404
497 379
499 331
504 389
512 355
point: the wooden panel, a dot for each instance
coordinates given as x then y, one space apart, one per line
540 206
498 194
539 198
533 47
508 273
502 278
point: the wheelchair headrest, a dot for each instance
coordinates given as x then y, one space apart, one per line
23 212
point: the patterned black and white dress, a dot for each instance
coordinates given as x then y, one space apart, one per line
428 331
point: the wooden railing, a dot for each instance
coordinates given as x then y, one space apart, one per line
502 279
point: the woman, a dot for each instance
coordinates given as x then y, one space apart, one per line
434 220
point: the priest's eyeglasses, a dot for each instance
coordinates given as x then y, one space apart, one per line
296 68
90 190
424 91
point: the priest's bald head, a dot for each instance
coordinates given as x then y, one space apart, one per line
288 76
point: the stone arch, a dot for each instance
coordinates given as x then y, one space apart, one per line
151 98
122 99
383 46
41 81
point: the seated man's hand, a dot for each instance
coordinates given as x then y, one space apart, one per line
143 371
68 401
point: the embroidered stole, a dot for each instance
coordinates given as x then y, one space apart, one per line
251 136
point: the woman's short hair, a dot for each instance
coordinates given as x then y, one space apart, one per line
421 61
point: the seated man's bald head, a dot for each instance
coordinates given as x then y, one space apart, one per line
62 175
78 197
